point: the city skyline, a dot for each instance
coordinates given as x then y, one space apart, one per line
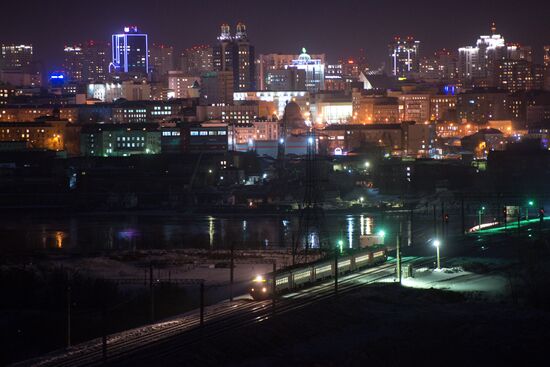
357 26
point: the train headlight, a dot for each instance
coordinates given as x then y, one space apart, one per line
264 289
259 279
252 289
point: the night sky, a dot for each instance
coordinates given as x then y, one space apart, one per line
337 27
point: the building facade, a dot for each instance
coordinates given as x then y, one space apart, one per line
112 140
404 56
130 52
236 54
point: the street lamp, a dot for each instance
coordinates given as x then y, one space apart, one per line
480 213
529 204
437 243
341 245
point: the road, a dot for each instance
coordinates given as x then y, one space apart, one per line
178 333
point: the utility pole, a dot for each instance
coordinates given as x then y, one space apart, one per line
274 287
462 215
336 270
151 291
443 219
231 269
104 333
398 255
68 313
519 219
202 304
294 248
435 223
411 227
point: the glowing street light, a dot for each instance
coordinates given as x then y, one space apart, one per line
367 164
480 213
530 203
341 245
437 244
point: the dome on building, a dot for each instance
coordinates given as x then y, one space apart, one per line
304 58
293 119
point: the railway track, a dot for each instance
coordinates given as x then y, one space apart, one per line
177 334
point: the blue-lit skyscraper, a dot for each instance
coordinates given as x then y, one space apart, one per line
130 52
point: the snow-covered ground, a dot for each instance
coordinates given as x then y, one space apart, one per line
458 280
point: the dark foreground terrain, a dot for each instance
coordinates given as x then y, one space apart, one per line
382 325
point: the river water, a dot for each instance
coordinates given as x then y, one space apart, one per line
138 231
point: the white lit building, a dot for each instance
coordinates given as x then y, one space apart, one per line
104 92
279 98
314 69
183 86
479 61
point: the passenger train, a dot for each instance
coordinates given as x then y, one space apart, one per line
287 280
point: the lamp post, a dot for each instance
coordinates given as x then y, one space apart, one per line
480 213
530 203
437 243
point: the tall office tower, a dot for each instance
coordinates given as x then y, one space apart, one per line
546 59
86 62
96 60
130 52
404 56
476 64
216 88
183 86
236 54
440 66
197 60
161 58
270 62
516 51
314 70
73 63
515 75
16 57
290 79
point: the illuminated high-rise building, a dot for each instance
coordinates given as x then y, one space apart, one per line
16 57
314 70
130 51
546 59
440 66
86 62
476 64
161 58
404 56
516 51
73 63
197 60
271 62
236 54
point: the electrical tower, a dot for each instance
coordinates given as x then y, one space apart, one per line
311 227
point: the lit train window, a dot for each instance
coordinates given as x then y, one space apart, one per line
323 269
344 263
361 258
378 254
301 275
281 281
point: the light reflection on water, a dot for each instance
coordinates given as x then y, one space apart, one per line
169 232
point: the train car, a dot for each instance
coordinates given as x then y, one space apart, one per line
287 280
